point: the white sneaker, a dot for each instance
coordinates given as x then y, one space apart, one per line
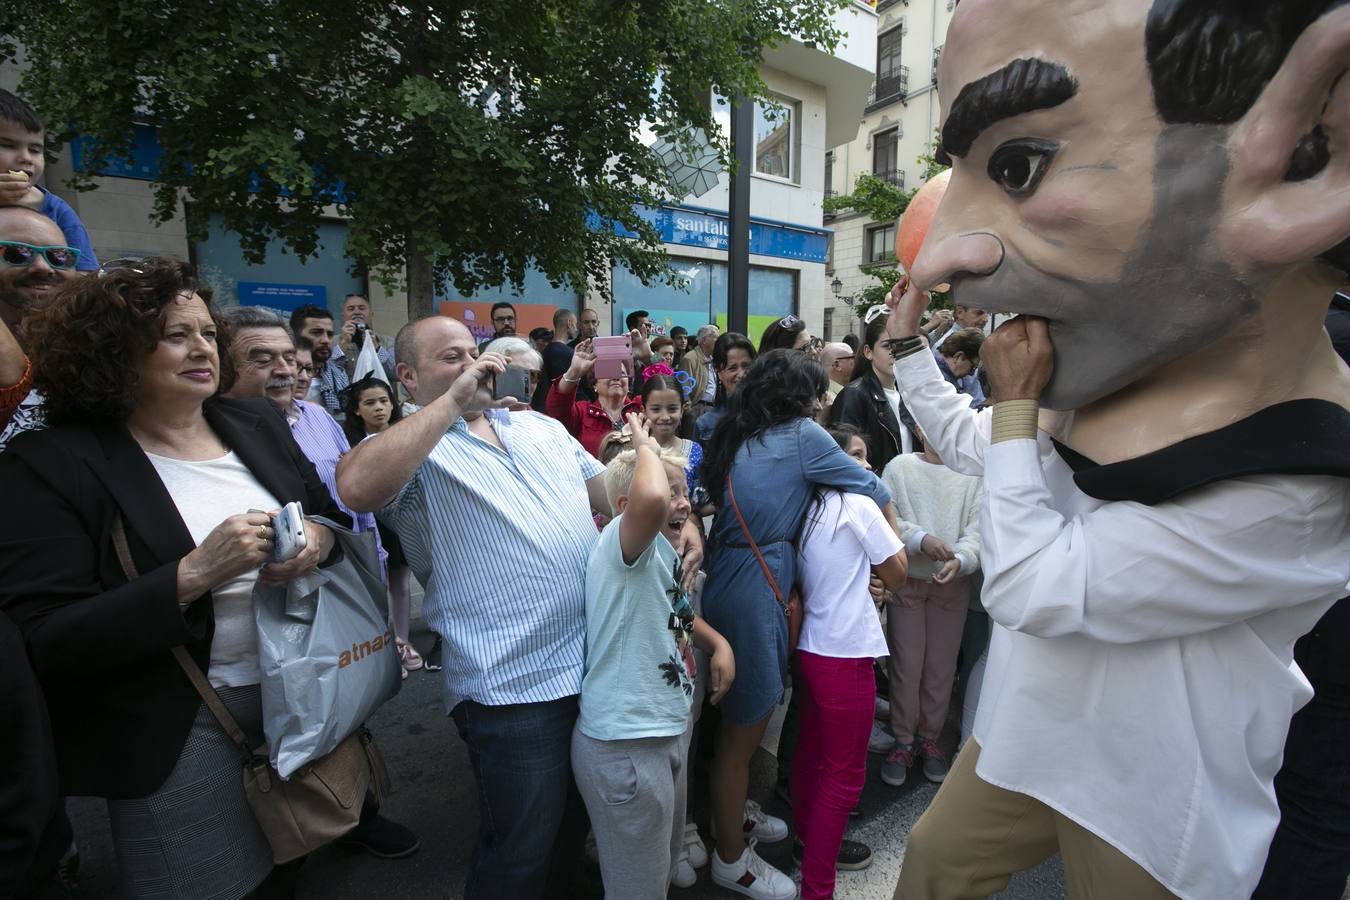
762 826
881 740
694 847
683 875
752 877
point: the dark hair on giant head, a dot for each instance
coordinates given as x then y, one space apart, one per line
14 109
781 334
872 332
351 399
1209 60
782 385
88 340
308 311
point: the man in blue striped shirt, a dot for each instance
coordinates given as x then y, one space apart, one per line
494 509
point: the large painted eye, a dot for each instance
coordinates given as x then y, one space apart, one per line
1018 166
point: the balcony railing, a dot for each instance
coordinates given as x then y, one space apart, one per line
894 176
894 84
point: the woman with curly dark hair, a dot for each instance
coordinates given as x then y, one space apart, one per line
771 455
139 445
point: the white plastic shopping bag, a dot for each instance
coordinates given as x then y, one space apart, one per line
326 652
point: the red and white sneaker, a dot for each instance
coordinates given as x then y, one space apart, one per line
752 876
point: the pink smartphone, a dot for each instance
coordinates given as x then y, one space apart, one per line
613 356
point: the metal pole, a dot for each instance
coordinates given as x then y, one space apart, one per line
738 241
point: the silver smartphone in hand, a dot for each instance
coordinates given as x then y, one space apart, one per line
289 525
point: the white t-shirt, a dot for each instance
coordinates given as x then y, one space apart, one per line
843 538
206 494
710 392
893 398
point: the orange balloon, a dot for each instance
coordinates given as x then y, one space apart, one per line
917 217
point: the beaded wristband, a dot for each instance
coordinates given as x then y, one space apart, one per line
899 348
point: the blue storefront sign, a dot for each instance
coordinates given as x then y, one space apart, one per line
288 297
711 230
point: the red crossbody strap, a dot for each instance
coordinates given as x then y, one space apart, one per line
745 529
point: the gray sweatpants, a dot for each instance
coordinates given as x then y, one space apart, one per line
635 794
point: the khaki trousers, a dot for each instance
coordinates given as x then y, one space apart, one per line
974 836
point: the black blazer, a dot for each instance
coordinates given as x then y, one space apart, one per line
863 404
120 705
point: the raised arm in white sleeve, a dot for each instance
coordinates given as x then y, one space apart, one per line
958 433
1125 572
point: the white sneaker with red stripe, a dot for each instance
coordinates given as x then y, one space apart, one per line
752 876
759 825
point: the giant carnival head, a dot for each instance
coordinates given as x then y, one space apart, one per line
1166 181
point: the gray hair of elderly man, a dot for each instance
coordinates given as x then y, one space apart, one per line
518 352
241 317
705 330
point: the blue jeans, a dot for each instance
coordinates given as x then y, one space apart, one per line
531 821
1310 855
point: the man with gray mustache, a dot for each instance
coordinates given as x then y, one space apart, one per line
1161 189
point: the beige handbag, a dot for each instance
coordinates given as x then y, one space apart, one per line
322 800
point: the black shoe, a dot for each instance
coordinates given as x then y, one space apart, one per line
383 838
852 855
431 661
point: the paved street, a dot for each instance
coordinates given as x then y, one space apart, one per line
434 795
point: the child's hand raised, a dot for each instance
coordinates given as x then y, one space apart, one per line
641 431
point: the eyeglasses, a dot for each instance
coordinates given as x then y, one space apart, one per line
17 254
789 321
875 313
305 370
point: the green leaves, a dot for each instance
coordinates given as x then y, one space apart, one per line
475 137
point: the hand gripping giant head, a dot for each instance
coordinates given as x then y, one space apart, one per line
1167 182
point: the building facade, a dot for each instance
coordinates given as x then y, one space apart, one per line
818 100
898 126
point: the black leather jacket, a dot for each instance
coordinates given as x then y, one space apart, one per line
863 405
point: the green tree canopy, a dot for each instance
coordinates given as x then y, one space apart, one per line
465 139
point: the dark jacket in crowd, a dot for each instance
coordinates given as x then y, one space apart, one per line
1338 325
863 404
120 706
34 831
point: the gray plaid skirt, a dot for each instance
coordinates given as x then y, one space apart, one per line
195 837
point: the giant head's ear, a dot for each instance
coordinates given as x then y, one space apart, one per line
1287 198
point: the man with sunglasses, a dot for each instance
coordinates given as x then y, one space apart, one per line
34 260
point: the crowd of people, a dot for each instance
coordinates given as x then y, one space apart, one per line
714 529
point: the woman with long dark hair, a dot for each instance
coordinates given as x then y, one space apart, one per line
731 358
787 333
871 403
769 453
